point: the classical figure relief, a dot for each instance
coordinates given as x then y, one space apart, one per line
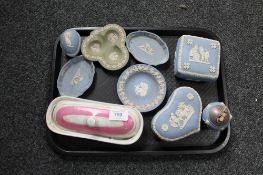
67 39
77 78
182 115
141 89
199 54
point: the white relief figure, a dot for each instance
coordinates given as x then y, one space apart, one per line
199 54
113 37
95 48
165 127
113 56
147 48
212 69
67 39
182 115
76 78
141 89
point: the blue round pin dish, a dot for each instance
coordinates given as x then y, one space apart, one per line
75 77
147 47
141 86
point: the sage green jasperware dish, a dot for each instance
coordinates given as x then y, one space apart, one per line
107 46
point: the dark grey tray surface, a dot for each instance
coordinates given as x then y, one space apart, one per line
104 89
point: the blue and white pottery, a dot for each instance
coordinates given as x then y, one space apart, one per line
180 117
216 115
141 86
197 58
70 41
147 48
75 77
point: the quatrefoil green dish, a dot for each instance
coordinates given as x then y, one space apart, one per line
107 46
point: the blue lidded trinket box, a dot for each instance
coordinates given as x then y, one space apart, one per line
216 115
70 41
197 58
180 117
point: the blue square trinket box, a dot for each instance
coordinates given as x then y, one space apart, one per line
197 58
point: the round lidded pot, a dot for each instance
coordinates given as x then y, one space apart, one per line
216 115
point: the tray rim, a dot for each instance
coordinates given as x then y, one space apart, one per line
149 152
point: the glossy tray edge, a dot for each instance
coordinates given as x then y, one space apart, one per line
218 148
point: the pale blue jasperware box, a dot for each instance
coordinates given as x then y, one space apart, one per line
197 58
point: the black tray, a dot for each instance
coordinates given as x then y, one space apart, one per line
104 89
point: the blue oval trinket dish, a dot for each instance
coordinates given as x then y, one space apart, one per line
180 117
70 42
75 77
216 115
197 58
147 48
141 86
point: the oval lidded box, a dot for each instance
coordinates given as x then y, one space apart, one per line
75 77
107 46
105 122
197 58
180 117
147 47
70 42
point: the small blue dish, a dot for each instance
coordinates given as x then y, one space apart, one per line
70 41
75 77
141 86
147 48
180 117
